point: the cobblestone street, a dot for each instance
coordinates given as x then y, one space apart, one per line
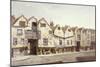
54 58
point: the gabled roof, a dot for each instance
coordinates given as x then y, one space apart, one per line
53 27
74 28
61 30
65 28
20 17
43 19
84 30
32 18
80 29
57 26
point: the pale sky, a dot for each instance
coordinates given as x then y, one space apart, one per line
72 15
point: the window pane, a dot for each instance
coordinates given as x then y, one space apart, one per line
43 25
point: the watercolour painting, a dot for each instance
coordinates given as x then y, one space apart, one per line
52 33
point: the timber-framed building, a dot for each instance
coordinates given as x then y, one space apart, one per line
38 37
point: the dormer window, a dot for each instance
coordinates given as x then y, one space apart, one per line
43 25
58 28
22 23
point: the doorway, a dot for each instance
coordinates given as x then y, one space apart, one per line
33 45
78 46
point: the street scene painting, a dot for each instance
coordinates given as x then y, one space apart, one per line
52 33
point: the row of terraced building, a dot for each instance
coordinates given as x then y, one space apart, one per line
40 37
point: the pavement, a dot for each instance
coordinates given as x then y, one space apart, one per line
52 58
18 58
